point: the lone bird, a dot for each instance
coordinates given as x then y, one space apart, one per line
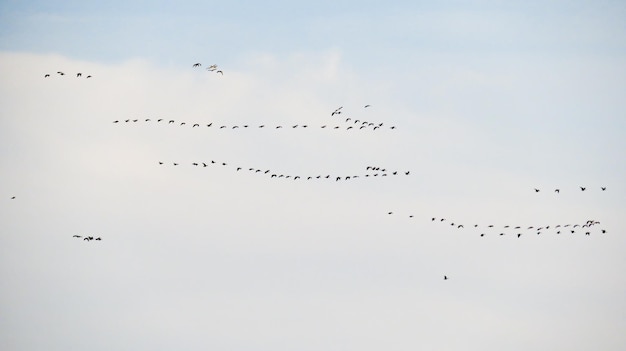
556 190
197 64
603 188
46 76
445 277
78 74
583 188
536 190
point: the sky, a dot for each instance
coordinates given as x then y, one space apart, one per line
489 101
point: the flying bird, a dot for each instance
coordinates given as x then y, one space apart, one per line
583 188
366 106
603 188
46 76
197 64
536 190
78 74
556 190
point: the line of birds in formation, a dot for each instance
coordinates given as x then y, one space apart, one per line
211 68
87 238
582 188
269 173
557 229
363 125
78 75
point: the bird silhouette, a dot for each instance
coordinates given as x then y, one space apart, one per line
98 238
77 236
603 188
197 64
195 125
46 76
583 188
556 190
88 77
78 74
445 277
366 106
536 190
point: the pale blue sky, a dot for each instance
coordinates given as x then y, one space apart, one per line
490 101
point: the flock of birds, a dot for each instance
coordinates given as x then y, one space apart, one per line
582 188
87 238
78 75
357 125
373 171
211 68
519 230
377 172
